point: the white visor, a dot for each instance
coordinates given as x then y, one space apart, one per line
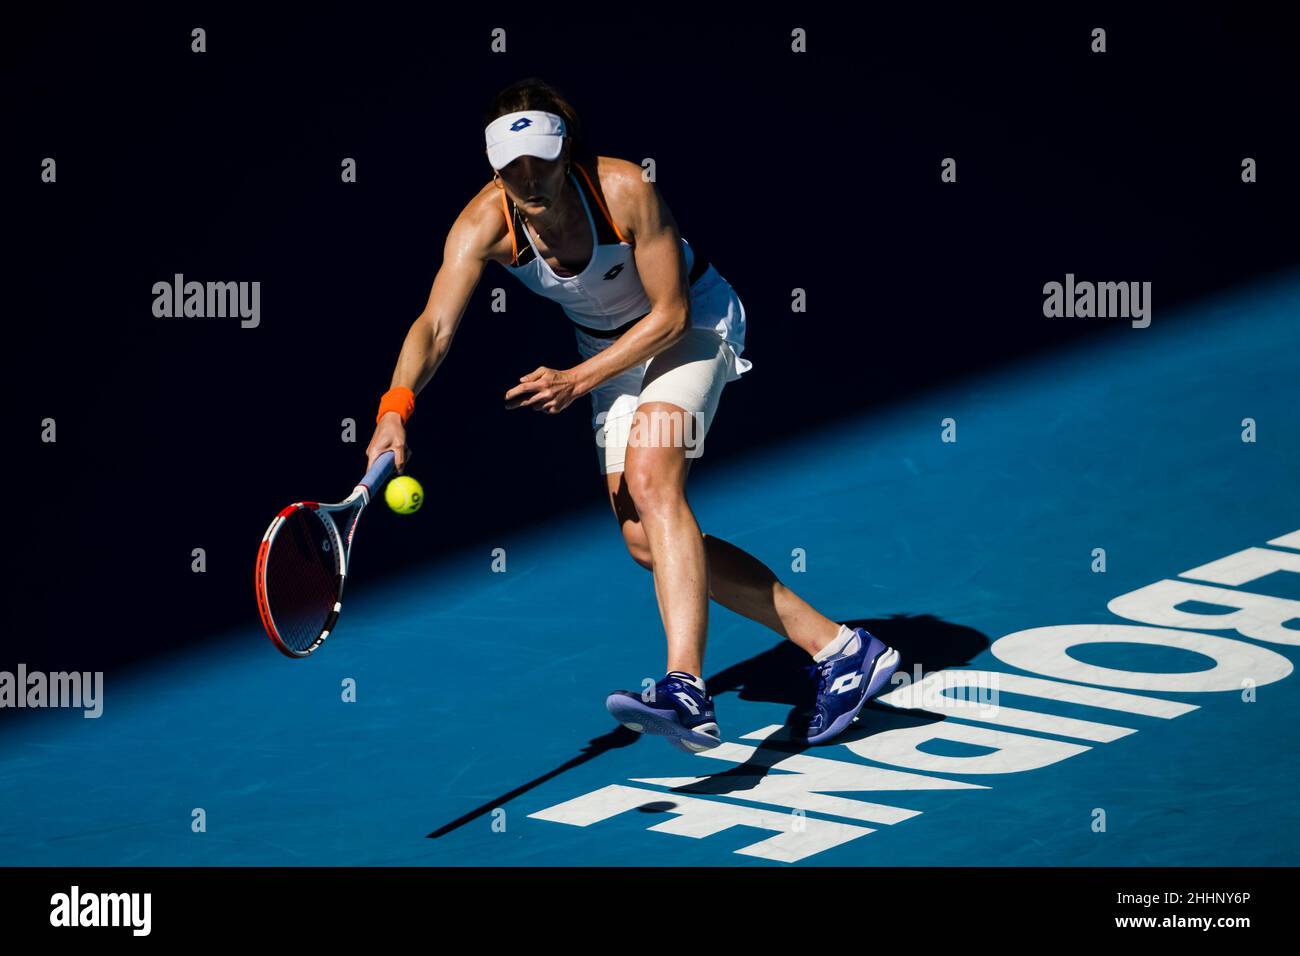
524 133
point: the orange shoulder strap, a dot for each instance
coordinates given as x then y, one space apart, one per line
510 224
601 203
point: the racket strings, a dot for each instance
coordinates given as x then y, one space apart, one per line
302 578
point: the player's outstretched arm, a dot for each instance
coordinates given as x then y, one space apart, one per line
465 254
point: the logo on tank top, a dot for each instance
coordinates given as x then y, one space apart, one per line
613 273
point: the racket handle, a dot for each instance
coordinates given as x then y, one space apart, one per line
379 472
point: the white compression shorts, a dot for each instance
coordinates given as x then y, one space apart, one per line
689 374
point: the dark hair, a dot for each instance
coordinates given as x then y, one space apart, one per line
534 93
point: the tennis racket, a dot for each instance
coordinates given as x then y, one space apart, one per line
303 562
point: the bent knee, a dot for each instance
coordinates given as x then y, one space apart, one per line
652 491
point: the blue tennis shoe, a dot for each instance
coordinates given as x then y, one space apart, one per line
846 681
678 708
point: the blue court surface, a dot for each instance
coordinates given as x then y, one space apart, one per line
1158 729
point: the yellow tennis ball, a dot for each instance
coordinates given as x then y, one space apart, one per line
404 495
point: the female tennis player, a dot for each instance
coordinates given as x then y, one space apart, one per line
659 332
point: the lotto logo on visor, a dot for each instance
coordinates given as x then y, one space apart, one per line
524 133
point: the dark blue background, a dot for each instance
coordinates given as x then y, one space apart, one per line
817 171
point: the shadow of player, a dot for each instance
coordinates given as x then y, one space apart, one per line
781 675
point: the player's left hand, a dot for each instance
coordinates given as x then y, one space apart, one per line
545 390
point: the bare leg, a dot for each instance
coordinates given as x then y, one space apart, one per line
741 583
655 475
662 536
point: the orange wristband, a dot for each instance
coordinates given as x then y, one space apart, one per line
400 400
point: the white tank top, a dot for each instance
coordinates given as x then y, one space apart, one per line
607 294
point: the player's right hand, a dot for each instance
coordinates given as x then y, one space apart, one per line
390 435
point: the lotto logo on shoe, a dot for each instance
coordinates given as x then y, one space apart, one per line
688 703
846 682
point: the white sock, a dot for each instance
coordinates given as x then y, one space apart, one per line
845 642
688 678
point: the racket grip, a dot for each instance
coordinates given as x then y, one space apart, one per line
379 472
